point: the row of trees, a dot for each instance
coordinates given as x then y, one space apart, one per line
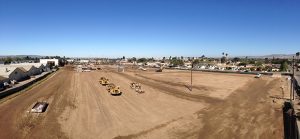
9 60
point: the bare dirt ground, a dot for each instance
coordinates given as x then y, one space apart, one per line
220 106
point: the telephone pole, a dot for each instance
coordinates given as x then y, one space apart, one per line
191 78
293 64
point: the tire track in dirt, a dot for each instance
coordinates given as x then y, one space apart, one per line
14 110
202 88
245 114
172 91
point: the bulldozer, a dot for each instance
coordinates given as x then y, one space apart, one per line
104 81
113 89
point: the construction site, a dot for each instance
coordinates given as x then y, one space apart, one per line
146 104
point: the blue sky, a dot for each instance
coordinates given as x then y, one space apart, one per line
150 28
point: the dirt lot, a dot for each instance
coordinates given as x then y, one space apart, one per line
220 106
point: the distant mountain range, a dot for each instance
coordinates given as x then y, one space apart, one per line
21 56
281 56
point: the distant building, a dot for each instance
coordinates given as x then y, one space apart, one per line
83 61
50 62
70 60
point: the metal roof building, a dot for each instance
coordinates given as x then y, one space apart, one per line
13 73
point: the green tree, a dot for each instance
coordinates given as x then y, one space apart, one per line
284 66
223 59
243 64
236 59
142 60
258 63
177 62
8 60
133 59
196 61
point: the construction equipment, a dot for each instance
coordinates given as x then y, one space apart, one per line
137 87
134 85
104 81
113 89
110 86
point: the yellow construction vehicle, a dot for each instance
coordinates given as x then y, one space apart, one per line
109 87
137 87
113 89
103 81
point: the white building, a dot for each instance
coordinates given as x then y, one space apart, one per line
50 62
84 61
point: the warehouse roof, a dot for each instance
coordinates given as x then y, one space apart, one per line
6 71
2 78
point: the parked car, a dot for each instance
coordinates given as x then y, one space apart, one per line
7 85
258 75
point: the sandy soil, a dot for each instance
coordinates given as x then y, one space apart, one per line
220 106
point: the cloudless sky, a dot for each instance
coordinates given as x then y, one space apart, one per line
150 28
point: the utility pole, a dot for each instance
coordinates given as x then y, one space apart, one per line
293 64
192 77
